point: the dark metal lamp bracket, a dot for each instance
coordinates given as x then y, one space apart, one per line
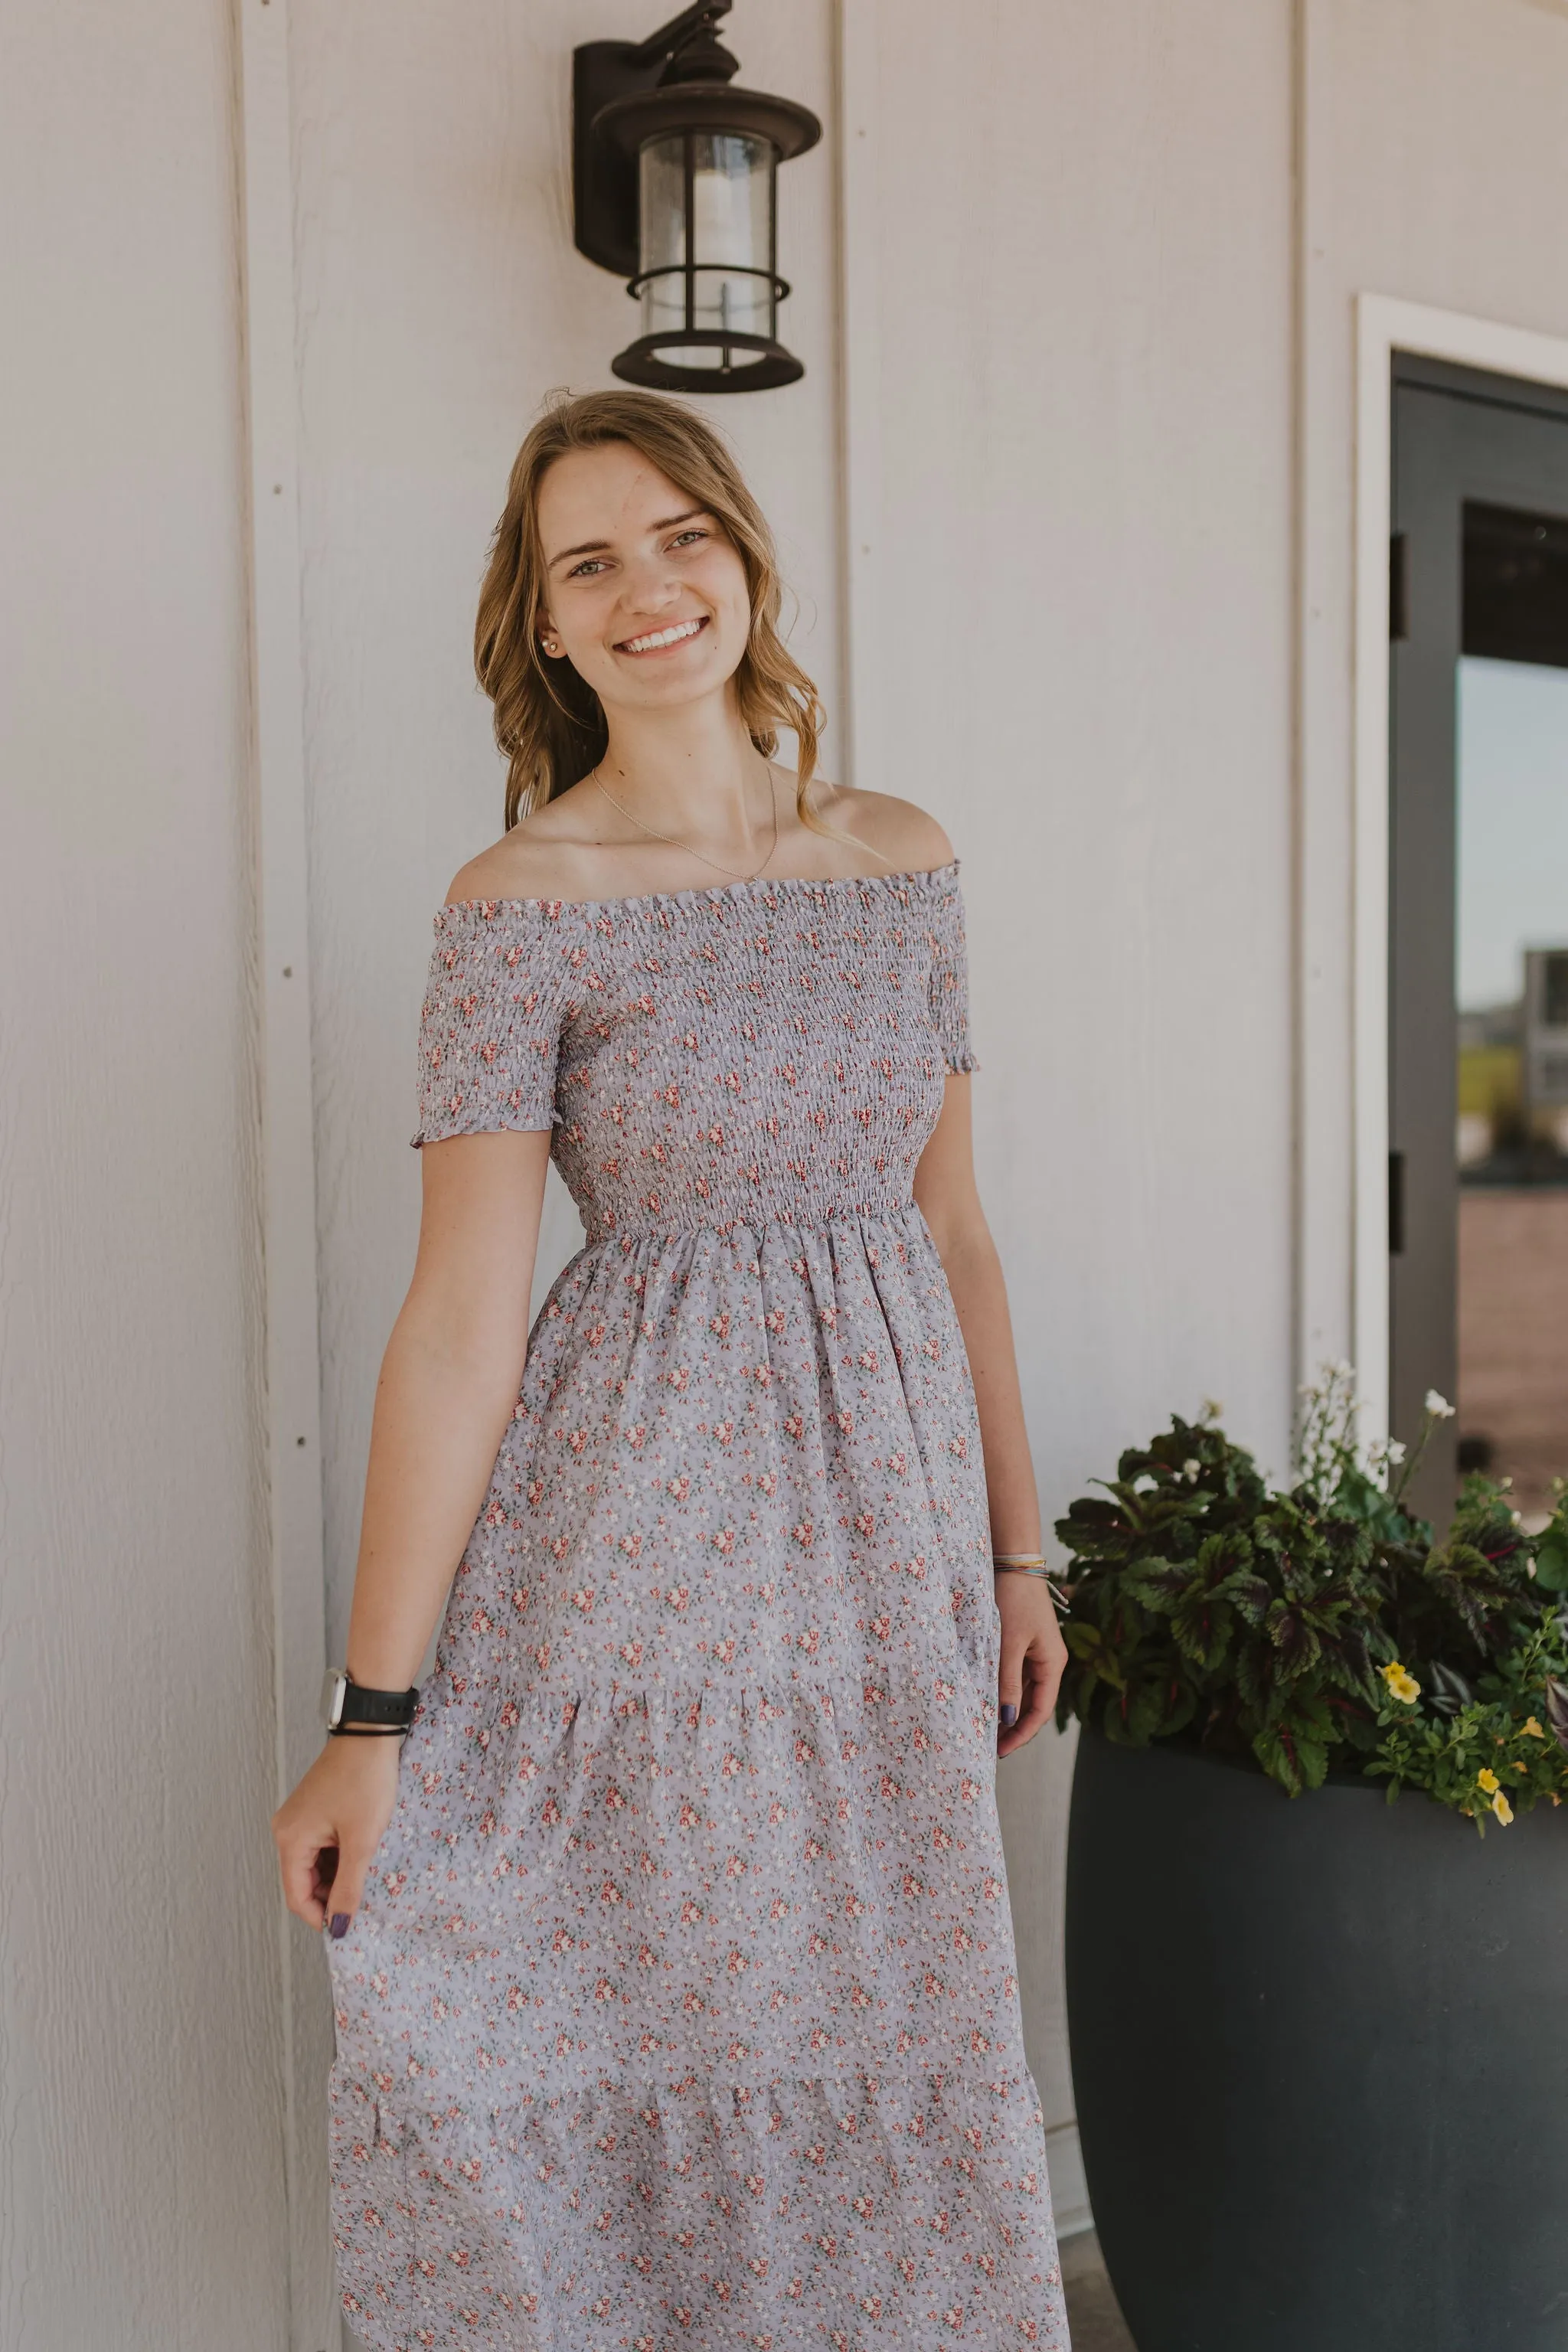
603 175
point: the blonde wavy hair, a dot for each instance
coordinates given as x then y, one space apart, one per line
548 722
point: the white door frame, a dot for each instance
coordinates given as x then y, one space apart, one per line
1386 325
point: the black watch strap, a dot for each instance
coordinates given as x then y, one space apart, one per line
351 1708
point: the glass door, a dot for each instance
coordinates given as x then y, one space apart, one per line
1479 929
1511 1125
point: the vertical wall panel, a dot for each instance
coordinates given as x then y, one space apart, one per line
441 297
1084 666
141 2144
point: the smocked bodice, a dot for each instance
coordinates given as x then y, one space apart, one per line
773 1051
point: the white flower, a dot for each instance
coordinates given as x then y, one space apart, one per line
1213 1411
1394 1450
1192 1469
1438 1406
1341 1370
1145 1485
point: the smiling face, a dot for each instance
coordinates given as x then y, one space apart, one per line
643 593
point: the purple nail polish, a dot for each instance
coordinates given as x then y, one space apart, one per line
1009 1716
339 1928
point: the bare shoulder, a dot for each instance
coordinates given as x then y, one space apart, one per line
546 855
907 837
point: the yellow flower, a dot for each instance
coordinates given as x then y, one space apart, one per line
1488 1782
1401 1685
1532 1730
1502 1809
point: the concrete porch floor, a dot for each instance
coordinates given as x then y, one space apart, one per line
1093 2314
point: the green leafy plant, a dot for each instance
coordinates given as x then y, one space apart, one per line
1323 1629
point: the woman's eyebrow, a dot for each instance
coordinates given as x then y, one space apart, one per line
597 546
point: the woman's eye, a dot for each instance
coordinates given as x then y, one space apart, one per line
684 538
586 570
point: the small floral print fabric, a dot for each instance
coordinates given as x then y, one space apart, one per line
680 2014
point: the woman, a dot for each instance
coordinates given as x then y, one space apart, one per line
672 1960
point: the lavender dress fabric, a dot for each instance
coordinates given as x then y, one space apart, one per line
681 2009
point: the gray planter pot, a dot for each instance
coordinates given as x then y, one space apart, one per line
1319 2053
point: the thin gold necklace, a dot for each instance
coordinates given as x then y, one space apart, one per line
699 854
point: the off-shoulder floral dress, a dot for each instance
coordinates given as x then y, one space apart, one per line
681 2009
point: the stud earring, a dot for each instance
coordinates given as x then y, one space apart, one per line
552 647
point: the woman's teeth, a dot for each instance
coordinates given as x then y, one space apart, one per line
657 637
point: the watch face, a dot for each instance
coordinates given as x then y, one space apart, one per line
333 1692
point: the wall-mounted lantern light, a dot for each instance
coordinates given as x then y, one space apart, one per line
674 182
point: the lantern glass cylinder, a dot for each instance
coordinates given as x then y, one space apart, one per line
706 249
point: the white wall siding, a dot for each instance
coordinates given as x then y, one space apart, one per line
141 2141
441 297
1084 666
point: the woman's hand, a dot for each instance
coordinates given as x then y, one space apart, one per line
1033 1657
328 1831
1032 1652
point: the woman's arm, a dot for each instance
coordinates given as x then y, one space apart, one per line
1033 1651
448 1382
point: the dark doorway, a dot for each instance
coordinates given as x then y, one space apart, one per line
1479 927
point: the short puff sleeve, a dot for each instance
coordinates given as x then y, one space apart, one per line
950 976
490 1031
